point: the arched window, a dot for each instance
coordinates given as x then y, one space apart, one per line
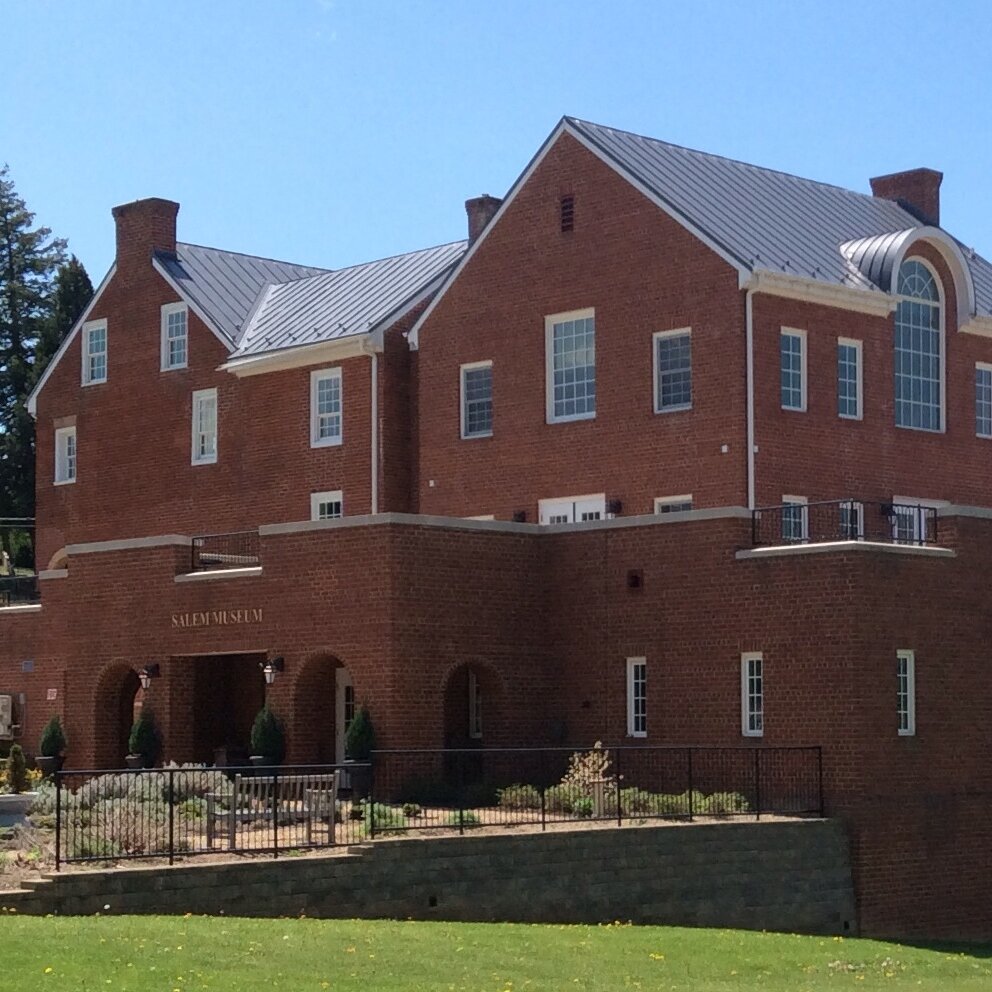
919 351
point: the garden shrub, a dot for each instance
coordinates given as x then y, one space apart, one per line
144 739
359 738
268 739
44 803
192 781
721 803
383 817
412 809
582 806
52 742
193 808
17 770
561 798
519 796
465 819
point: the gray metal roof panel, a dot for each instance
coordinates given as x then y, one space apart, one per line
763 218
344 302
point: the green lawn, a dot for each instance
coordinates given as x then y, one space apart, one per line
170 954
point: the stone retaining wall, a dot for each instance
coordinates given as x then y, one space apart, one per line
792 876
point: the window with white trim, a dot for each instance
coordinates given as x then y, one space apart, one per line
175 336
637 697
913 520
327 506
752 695
792 355
983 400
571 366
204 427
325 407
474 706
849 379
906 693
919 348
851 520
673 370
795 518
673 504
94 352
477 399
572 509
65 455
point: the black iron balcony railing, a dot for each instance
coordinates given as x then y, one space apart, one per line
844 520
211 552
18 590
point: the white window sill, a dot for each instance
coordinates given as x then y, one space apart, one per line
476 437
203 461
220 573
93 382
64 482
921 430
673 409
571 420
173 368
793 409
332 442
849 416
21 608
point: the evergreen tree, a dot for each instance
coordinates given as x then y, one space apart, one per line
73 291
29 259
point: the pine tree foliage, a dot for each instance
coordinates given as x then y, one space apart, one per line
73 291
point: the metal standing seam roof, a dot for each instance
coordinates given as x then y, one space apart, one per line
766 219
340 303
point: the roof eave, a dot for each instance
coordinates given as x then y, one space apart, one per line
299 356
791 287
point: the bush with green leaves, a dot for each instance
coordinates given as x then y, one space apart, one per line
191 781
723 803
583 807
144 739
17 770
382 816
561 798
44 800
359 738
53 742
268 740
464 818
519 796
412 810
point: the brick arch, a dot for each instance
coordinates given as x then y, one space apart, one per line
455 695
117 689
313 724
59 560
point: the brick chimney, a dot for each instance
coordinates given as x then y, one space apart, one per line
481 211
917 190
142 227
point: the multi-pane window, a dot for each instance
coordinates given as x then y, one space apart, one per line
906 693
94 352
792 355
65 455
673 504
983 400
474 706
795 519
572 509
325 407
477 399
851 520
326 506
849 379
204 426
175 336
571 361
919 367
914 521
637 697
752 695
672 371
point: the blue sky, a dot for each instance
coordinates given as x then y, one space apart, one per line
335 131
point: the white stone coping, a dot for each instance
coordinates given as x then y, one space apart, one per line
21 608
842 547
220 573
129 544
53 573
951 510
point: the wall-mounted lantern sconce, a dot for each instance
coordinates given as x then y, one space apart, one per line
519 516
614 507
270 669
146 674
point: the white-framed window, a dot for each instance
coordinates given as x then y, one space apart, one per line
477 399
983 400
919 348
673 370
795 519
792 361
572 509
850 384
906 693
94 352
65 455
752 694
204 427
474 706
175 336
637 697
913 519
570 342
673 504
327 506
851 520
325 407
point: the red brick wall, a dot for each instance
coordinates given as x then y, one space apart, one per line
642 273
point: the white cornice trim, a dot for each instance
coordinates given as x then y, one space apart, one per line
303 355
20 608
221 573
193 305
982 326
792 287
843 547
129 544
955 510
53 573
32 403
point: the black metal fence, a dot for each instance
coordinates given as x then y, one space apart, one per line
184 811
18 581
16 590
844 520
216 551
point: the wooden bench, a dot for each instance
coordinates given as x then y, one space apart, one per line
297 798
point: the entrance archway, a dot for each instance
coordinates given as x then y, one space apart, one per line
118 695
472 703
323 706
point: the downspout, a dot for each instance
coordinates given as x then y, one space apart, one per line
374 346
749 338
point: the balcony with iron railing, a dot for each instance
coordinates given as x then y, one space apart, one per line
220 552
831 521
18 578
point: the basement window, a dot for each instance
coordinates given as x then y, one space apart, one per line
326 506
567 213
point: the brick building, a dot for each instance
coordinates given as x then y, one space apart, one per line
674 449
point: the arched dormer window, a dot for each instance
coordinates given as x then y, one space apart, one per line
919 347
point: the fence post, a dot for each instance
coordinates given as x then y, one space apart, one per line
58 821
757 783
544 790
619 807
819 778
688 759
172 817
275 813
370 798
461 793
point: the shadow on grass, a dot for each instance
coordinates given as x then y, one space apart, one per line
971 950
